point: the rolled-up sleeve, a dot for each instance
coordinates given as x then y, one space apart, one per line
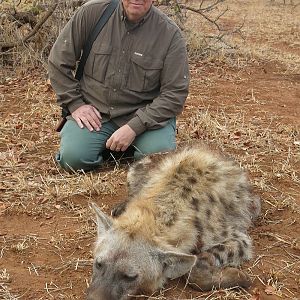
174 81
63 57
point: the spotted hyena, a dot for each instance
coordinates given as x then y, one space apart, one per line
187 214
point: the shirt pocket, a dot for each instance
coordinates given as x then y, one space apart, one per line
98 62
144 73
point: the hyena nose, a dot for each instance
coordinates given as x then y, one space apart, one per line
99 294
93 294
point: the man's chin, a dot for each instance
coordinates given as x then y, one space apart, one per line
135 15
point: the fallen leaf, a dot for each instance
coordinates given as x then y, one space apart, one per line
269 290
237 135
247 144
3 207
255 297
256 294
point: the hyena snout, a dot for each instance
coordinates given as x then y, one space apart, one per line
109 283
127 264
96 294
97 291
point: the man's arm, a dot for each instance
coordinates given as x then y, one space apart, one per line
170 102
174 90
62 63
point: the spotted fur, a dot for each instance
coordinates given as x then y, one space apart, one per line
193 203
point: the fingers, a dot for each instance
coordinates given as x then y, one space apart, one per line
88 122
115 145
121 139
97 112
87 116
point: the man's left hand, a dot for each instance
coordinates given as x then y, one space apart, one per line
121 139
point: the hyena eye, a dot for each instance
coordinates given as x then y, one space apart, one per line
99 264
129 277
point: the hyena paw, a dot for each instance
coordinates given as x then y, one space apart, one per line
231 277
211 278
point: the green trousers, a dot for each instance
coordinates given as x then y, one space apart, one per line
81 149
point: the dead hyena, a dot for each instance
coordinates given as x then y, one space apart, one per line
188 215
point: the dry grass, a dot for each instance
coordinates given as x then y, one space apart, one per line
271 33
34 185
34 52
48 231
255 146
5 294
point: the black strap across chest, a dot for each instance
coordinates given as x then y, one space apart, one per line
92 37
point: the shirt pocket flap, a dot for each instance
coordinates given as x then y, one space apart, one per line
147 63
103 49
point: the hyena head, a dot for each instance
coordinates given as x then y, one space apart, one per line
127 265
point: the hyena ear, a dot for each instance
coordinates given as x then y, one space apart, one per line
176 264
104 222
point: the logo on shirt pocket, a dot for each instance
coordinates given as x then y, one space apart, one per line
144 73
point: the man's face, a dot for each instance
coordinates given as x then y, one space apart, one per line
136 9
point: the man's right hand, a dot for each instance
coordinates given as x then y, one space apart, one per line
87 116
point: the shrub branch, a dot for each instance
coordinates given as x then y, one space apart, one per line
6 46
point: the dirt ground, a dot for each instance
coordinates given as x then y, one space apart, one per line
246 106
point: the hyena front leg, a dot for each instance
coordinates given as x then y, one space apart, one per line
205 277
137 177
212 268
233 251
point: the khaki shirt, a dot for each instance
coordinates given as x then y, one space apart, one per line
136 74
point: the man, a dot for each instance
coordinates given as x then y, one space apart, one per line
134 84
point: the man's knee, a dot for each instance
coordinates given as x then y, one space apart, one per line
80 149
72 159
144 150
155 141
